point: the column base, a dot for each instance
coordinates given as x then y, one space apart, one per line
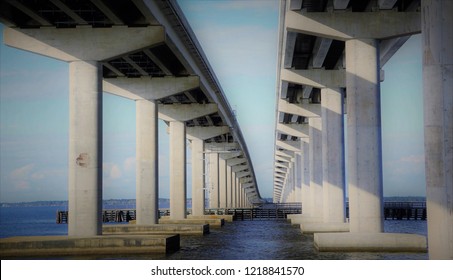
297 219
370 242
50 246
217 223
324 227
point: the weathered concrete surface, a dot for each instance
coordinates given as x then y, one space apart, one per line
324 227
182 229
210 222
48 246
297 219
227 218
437 43
368 241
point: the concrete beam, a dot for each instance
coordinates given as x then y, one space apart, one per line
290 43
221 147
238 168
295 4
69 12
236 161
206 132
149 88
389 47
318 78
185 112
247 185
305 110
245 180
297 130
289 145
340 4
348 25
83 43
320 50
230 155
386 4
284 153
282 164
285 159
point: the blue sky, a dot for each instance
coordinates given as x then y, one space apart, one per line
240 41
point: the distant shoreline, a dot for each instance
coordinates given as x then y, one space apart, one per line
63 203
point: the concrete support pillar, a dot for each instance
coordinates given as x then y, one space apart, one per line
437 38
214 201
364 136
229 187
236 196
222 183
307 203
315 156
198 171
333 155
177 170
298 171
239 196
147 176
85 148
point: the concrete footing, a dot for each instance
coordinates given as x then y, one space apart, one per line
324 227
211 222
297 219
371 242
227 218
182 229
49 246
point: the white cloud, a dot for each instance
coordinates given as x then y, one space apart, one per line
129 164
20 177
115 172
111 171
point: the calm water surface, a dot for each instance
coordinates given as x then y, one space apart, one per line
240 240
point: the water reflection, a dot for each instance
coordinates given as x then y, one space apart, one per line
276 240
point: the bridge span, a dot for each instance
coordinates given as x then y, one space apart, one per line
329 64
144 51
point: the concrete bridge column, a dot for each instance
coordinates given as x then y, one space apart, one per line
222 183
364 136
147 176
237 195
214 199
333 155
298 171
241 196
437 34
178 187
85 148
198 171
307 204
229 186
315 157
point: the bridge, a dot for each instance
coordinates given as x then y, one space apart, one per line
144 51
329 64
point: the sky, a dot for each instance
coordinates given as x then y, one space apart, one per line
239 39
